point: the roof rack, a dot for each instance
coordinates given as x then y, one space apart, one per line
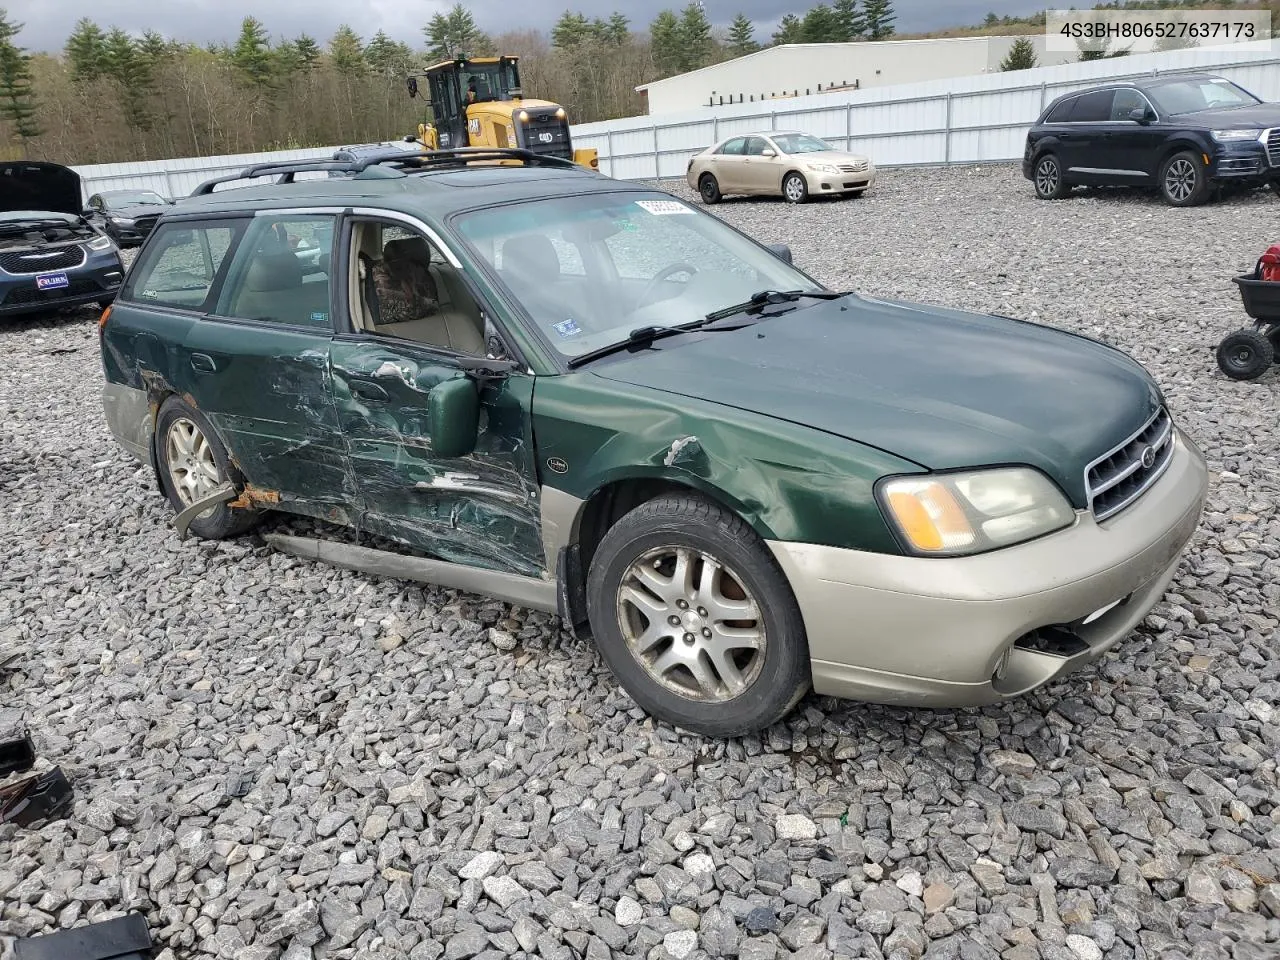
422 159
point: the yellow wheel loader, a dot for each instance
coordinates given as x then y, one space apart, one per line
477 102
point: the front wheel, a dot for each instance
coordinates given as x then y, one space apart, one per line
193 463
795 188
1245 355
695 618
1048 179
709 189
1183 180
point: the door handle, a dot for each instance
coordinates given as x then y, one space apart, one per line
203 363
369 391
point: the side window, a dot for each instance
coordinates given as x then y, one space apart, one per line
734 147
1126 101
281 272
1093 107
755 146
1062 112
409 290
181 262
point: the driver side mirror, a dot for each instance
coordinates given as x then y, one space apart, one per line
412 84
766 152
453 417
1140 115
780 250
88 212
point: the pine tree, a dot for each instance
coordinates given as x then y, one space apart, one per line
852 23
664 41
86 51
695 38
879 17
821 25
742 36
307 51
617 30
251 55
347 52
155 48
387 56
1021 55
570 31
17 100
454 34
131 70
790 30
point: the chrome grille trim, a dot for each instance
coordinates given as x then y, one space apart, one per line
1271 141
1118 478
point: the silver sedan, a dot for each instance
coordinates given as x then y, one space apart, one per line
790 164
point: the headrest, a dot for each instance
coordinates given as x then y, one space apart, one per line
275 271
531 255
413 249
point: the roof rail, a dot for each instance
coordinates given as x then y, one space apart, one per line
420 159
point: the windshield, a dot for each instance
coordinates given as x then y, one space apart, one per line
590 269
1192 96
136 198
799 143
483 82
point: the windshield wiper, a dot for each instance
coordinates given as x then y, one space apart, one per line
765 298
641 336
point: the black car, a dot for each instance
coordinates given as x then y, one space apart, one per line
126 216
50 256
1188 136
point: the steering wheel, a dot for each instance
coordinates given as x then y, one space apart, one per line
667 271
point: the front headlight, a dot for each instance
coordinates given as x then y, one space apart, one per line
121 221
951 514
824 168
1235 134
99 243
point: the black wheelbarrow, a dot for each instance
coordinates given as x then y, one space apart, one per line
1248 353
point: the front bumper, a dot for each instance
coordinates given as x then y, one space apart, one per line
976 630
1244 161
844 182
99 278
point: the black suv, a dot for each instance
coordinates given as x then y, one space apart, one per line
1186 135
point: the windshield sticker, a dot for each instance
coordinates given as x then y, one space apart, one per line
663 208
319 317
567 328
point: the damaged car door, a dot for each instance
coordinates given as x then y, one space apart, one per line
257 365
479 507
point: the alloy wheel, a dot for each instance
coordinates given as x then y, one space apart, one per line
1047 176
794 189
689 621
192 469
1180 180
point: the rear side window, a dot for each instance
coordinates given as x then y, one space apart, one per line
181 263
281 272
1062 112
735 146
1093 107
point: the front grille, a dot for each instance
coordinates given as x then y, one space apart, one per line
41 262
76 288
854 167
1273 147
145 224
557 146
1120 477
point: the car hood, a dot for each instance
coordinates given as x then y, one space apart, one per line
30 185
135 210
1260 115
827 156
943 388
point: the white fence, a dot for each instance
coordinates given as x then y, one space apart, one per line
965 120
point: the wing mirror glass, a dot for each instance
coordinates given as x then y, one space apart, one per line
1140 115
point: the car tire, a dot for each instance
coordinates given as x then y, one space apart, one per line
1048 179
1184 181
1245 354
191 462
795 189
747 688
709 189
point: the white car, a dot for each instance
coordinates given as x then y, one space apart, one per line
790 164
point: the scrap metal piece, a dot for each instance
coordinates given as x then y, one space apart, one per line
45 797
684 450
220 494
17 755
124 938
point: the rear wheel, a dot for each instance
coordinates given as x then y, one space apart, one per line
1048 178
193 463
794 188
695 618
1245 354
1183 180
709 188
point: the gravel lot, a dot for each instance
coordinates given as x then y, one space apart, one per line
431 774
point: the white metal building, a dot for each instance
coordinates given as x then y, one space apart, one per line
798 69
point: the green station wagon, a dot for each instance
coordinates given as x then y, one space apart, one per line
591 398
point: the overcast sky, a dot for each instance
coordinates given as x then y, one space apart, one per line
47 22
